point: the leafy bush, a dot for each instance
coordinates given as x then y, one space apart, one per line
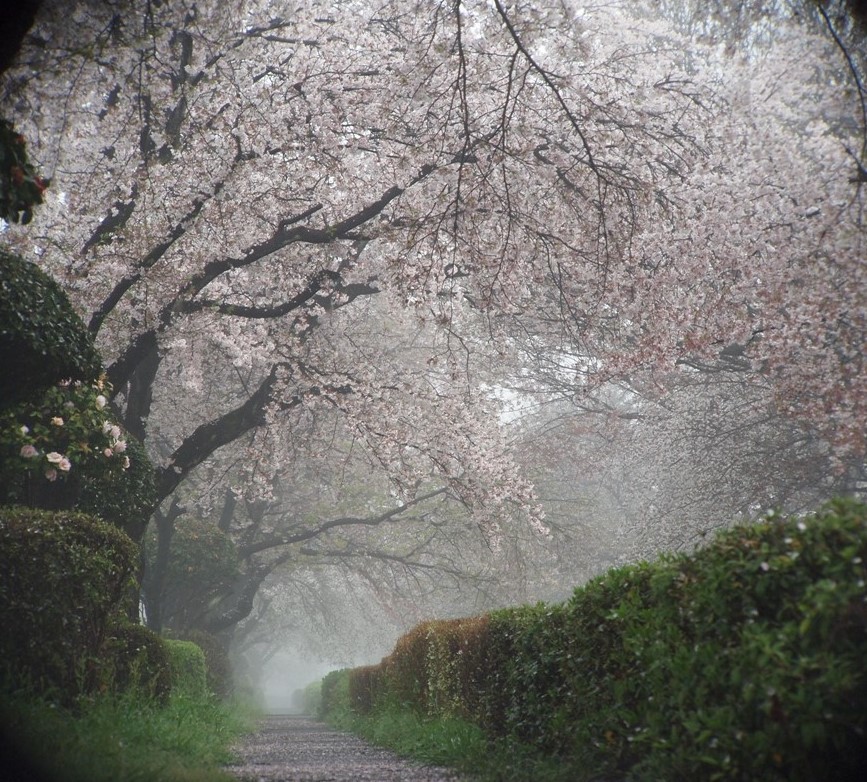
742 661
187 665
218 665
334 694
308 700
42 339
125 498
136 660
54 445
63 575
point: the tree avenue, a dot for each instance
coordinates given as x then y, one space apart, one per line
368 224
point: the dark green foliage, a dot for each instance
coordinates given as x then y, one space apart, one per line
135 659
334 695
202 565
21 188
742 661
42 339
218 665
62 576
187 665
126 498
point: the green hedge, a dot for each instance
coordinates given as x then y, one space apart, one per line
744 660
188 668
62 577
136 659
218 667
42 338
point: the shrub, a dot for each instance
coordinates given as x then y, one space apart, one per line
42 339
741 661
203 562
136 659
187 665
218 665
125 498
63 575
55 445
334 694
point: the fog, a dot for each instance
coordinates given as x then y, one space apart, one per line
283 675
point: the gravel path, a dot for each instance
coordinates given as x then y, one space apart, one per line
299 749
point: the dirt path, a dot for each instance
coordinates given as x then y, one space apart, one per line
298 749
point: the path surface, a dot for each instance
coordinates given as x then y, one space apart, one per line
299 749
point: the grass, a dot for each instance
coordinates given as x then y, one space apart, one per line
456 744
122 738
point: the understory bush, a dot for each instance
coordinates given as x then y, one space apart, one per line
187 666
744 660
218 667
63 576
137 660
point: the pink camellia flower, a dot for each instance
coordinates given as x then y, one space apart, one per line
54 457
64 464
108 453
115 432
28 451
51 474
120 446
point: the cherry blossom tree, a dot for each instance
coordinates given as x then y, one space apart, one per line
246 194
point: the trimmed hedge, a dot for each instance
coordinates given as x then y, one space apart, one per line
218 666
187 665
42 338
62 576
744 660
136 659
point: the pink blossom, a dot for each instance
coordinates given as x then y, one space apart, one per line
108 453
54 457
51 474
120 446
64 464
29 451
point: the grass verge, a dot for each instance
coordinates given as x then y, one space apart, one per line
120 738
456 744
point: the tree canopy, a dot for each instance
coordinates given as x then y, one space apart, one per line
396 226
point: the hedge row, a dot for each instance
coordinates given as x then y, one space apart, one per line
742 661
64 579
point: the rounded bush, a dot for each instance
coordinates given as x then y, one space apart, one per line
42 338
62 576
